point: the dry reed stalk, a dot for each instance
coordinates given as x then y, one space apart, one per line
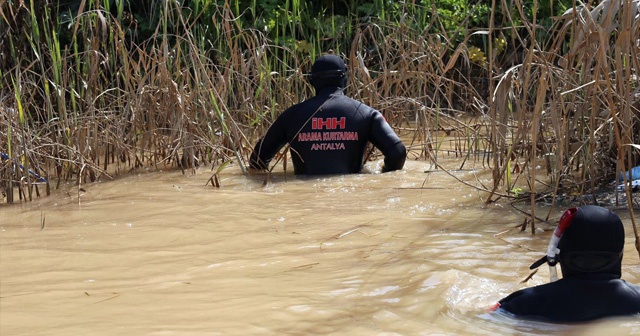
537 112
180 100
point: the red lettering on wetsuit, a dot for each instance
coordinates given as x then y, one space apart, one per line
328 123
310 136
328 136
331 136
328 146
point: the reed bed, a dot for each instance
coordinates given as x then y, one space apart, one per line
83 97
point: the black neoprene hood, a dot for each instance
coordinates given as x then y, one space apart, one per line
328 71
593 243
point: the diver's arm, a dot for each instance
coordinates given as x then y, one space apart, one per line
388 142
267 147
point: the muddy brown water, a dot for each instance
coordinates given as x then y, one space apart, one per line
162 253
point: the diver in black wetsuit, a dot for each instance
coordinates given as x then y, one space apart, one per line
591 241
328 133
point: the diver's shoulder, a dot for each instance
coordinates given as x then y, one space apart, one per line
532 293
630 286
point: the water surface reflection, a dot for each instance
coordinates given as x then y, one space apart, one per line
404 253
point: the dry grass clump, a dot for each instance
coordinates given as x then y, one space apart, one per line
573 103
98 104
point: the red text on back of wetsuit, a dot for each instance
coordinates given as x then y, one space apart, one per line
328 123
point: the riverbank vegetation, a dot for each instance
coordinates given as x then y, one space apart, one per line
91 89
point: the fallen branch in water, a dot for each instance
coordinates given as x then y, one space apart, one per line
346 233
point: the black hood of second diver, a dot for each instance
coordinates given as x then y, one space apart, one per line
592 245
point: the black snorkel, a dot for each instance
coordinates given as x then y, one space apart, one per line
552 250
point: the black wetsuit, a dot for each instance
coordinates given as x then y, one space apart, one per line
574 299
328 134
